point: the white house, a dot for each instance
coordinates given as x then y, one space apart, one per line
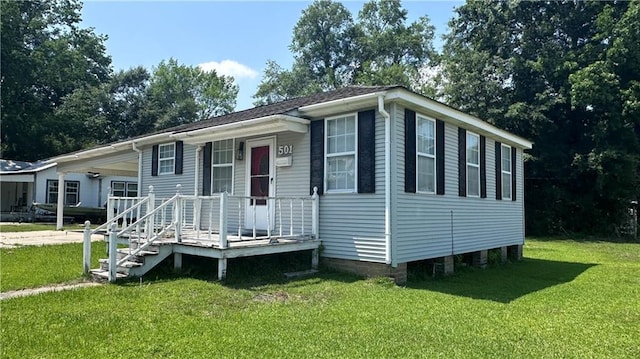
399 178
22 183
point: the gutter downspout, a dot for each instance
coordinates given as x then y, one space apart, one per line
387 178
135 148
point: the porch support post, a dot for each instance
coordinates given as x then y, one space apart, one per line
222 268
60 205
86 248
151 205
197 204
315 254
177 262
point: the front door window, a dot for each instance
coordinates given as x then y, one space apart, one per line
260 174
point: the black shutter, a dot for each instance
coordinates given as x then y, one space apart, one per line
483 167
206 169
367 151
179 157
439 157
409 151
317 156
154 160
462 162
513 173
498 170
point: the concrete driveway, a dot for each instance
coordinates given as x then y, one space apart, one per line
40 238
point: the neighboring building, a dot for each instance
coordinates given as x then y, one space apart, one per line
22 183
401 177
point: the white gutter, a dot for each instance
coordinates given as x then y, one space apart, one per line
197 172
135 148
349 102
387 178
457 117
240 124
108 148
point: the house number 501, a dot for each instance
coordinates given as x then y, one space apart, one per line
285 150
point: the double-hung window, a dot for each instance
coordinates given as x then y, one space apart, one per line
166 158
124 189
506 171
426 154
52 191
341 145
71 192
473 165
222 171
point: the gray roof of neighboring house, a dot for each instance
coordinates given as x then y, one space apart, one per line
11 166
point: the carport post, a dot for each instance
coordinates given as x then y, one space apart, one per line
60 205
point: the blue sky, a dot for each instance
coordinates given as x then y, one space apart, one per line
234 37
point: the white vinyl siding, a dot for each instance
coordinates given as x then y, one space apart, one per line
506 171
166 158
426 227
473 165
341 145
222 171
426 154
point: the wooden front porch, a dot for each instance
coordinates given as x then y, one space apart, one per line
151 230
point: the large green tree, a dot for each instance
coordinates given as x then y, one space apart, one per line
182 94
564 74
332 50
45 55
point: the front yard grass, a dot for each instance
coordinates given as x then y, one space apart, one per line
566 299
35 266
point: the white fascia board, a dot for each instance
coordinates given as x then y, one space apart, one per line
108 149
261 125
335 107
21 177
456 117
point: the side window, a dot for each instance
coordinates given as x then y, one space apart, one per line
426 154
222 162
473 165
118 189
52 191
340 159
166 158
506 171
71 192
132 189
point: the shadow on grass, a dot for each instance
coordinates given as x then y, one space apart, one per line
246 272
504 283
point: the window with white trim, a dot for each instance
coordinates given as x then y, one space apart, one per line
506 171
222 162
124 189
71 192
166 158
426 154
341 145
52 191
473 165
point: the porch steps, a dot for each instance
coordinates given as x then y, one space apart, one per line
135 266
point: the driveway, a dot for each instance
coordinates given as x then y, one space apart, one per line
40 238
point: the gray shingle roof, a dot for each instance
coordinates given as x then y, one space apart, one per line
282 107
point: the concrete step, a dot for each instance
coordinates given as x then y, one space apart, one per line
123 268
100 275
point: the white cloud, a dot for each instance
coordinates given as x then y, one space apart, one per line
230 68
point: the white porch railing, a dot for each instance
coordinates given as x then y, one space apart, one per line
140 221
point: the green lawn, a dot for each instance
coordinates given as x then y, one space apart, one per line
30 227
35 266
566 299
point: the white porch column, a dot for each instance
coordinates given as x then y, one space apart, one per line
60 210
